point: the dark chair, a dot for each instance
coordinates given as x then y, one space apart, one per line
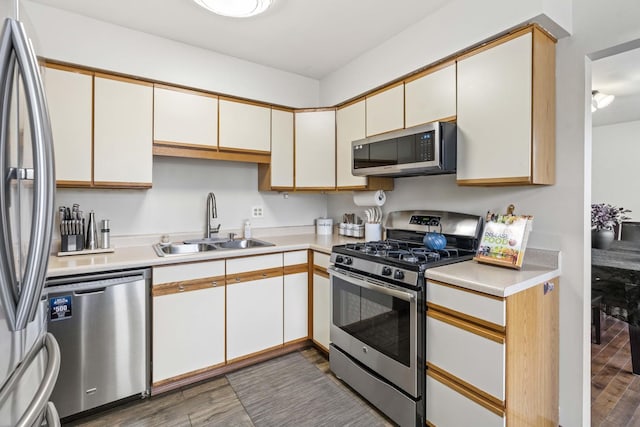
630 231
596 300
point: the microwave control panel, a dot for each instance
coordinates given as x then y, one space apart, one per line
425 146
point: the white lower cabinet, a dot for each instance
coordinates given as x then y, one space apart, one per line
321 300
254 305
447 407
188 319
296 296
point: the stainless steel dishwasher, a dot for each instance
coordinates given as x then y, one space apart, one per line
101 322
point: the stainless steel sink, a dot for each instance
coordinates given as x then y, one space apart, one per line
243 244
206 245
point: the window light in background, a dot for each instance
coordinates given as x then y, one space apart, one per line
600 100
235 8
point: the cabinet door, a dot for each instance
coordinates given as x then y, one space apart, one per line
185 117
321 310
447 406
494 112
315 150
188 332
431 97
70 100
385 110
296 304
123 117
254 316
244 126
350 126
281 149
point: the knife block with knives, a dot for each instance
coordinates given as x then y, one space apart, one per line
75 239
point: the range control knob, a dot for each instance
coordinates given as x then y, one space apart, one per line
339 259
348 261
386 271
398 274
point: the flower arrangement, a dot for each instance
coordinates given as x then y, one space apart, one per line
605 216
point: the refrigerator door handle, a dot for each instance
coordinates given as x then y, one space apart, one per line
51 416
44 177
40 400
8 293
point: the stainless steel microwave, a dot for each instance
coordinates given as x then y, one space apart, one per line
428 149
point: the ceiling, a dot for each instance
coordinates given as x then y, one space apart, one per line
618 75
308 37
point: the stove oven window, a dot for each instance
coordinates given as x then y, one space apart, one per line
380 321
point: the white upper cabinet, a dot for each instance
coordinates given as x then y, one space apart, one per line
185 117
430 97
315 149
70 98
281 149
350 126
506 112
385 110
244 126
123 132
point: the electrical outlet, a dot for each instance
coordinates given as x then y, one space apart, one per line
257 212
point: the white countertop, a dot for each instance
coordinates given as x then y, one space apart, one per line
144 255
539 266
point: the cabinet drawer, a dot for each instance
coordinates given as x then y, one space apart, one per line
450 342
483 309
187 272
449 406
254 263
296 257
321 260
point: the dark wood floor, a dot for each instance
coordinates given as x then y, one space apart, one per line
615 390
211 403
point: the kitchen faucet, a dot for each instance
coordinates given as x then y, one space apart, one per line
212 213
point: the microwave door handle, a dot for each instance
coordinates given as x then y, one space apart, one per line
8 290
43 180
363 283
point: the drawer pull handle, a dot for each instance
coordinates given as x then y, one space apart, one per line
264 274
180 288
548 287
237 279
214 283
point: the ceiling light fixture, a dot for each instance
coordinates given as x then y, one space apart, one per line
235 8
600 100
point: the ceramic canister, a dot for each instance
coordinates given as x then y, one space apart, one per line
324 226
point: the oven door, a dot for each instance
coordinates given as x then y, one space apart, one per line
376 323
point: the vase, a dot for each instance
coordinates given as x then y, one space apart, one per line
601 239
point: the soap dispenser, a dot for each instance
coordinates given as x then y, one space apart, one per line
247 229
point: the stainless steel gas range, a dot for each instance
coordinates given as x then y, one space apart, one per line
378 303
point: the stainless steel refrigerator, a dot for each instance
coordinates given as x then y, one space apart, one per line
29 356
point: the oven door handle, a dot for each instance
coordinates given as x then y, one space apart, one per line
364 283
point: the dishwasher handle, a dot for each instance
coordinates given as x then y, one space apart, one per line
94 283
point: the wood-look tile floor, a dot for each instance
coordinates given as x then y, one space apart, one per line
211 403
615 390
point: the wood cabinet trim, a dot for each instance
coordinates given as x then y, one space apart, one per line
232 150
471 291
73 184
430 70
119 78
350 103
180 150
244 101
313 110
184 90
277 107
384 89
184 376
466 318
258 353
187 286
467 326
469 391
488 182
495 42
116 184
295 269
320 271
68 68
250 276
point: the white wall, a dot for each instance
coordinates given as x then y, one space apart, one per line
561 211
616 152
73 38
176 203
